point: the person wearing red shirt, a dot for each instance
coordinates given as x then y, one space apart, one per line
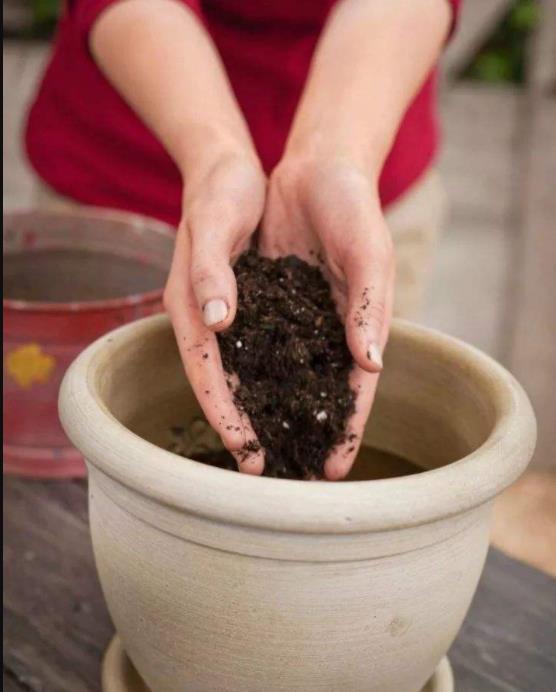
306 120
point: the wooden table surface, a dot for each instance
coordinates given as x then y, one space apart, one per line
56 626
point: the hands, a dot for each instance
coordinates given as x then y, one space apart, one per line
322 197
328 212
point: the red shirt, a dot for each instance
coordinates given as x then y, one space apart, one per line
86 142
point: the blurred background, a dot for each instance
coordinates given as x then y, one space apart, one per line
494 282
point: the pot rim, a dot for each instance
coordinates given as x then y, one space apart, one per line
299 506
90 213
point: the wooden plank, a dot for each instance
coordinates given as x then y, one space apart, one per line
23 64
533 351
542 77
467 293
508 639
10 683
17 16
56 626
532 316
467 286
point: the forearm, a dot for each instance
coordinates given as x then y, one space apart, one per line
162 61
371 60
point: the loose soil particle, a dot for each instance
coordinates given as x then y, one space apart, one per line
288 349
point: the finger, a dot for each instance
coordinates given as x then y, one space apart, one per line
370 278
359 254
203 366
213 241
341 459
363 383
221 216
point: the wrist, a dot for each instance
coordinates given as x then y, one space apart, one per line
339 146
309 163
202 146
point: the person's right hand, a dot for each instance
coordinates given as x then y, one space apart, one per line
222 207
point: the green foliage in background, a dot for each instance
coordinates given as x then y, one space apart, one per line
45 15
503 58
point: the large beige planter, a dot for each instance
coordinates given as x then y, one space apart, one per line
221 581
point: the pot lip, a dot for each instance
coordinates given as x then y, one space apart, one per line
90 213
317 508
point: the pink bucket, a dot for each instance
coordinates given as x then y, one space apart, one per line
69 277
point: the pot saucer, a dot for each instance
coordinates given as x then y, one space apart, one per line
119 674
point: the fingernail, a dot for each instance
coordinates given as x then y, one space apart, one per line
214 311
374 355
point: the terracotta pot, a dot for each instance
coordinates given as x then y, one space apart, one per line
221 581
69 277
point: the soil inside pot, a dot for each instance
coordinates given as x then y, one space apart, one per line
288 349
199 442
61 276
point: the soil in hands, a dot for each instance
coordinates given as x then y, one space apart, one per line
287 348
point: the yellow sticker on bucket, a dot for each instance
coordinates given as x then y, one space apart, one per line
28 365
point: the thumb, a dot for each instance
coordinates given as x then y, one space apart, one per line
214 286
221 212
212 277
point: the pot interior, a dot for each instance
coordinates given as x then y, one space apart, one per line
433 406
66 258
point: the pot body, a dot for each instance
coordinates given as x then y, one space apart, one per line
208 607
225 582
41 339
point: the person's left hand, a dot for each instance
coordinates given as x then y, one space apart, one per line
329 213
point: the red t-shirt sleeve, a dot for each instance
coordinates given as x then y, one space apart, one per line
85 12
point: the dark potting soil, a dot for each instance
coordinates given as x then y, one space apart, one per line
287 347
61 276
